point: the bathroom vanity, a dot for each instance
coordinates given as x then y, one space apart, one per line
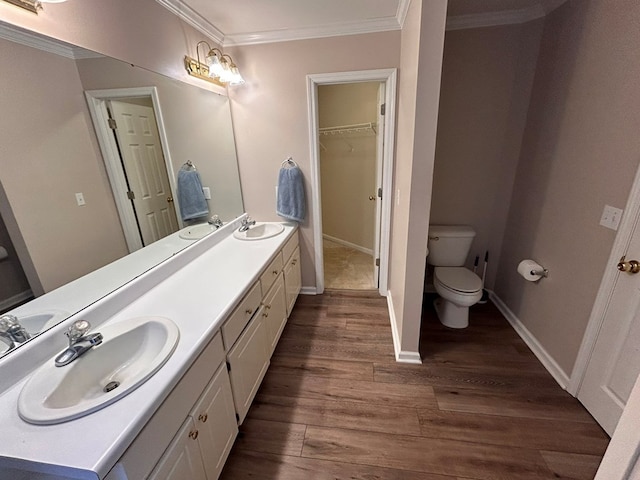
230 299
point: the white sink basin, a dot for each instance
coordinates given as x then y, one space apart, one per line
196 232
260 231
132 351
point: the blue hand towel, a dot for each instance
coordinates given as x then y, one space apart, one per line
190 195
290 204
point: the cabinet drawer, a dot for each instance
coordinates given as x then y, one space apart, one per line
289 247
271 273
236 322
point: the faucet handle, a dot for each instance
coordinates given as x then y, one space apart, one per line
77 330
7 322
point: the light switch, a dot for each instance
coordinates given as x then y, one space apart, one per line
207 192
80 199
611 217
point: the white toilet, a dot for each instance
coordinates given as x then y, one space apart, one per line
458 287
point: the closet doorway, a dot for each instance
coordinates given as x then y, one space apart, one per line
348 133
351 134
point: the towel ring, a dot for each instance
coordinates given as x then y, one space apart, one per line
290 161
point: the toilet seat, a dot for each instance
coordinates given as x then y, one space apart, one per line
458 280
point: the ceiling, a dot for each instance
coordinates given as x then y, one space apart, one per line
242 22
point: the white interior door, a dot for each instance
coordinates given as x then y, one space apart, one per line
144 164
615 361
378 186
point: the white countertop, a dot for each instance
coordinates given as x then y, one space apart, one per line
197 297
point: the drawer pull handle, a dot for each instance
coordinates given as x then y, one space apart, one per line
265 315
268 307
193 435
275 272
203 417
293 262
248 311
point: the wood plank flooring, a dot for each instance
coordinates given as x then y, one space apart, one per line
335 405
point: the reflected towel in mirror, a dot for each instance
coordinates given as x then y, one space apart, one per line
193 204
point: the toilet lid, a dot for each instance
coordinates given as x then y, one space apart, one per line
458 278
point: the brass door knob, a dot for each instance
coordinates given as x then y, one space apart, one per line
203 417
372 198
193 434
169 199
632 266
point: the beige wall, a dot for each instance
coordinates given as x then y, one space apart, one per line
486 86
579 152
270 113
419 90
348 162
64 241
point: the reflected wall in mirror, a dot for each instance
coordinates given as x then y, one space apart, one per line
49 154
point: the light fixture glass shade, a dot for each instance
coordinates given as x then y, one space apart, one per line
225 75
236 78
216 68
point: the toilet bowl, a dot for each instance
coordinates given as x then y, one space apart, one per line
459 288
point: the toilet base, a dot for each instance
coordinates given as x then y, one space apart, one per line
451 315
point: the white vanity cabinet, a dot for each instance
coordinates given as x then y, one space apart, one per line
248 361
202 445
292 278
275 312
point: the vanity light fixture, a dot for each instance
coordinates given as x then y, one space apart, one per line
217 67
32 5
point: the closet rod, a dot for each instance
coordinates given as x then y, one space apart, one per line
354 128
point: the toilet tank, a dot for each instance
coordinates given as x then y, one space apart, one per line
449 245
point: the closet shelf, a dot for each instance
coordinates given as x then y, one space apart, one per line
361 128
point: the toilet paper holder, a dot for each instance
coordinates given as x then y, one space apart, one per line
543 273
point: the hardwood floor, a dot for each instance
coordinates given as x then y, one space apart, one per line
335 405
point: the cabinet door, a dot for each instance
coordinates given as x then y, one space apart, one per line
248 361
275 312
183 458
292 279
215 418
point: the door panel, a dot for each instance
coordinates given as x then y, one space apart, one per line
615 361
145 170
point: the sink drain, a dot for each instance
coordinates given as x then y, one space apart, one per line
110 386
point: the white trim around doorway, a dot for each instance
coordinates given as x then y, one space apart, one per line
97 101
389 77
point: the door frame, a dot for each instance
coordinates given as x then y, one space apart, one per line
97 101
389 78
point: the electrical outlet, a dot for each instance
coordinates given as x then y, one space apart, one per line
80 199
207 192
611 217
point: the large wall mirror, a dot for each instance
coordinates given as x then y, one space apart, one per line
65 235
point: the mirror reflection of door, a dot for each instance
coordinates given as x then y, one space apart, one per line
350 157
144 167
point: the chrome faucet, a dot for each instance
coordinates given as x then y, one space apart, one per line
246 223
11 332
79 342
215 221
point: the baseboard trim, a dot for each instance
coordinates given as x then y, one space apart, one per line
368 251
308 291
15 299
401 356
538 350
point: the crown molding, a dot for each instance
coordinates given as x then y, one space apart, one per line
44 43
401 14
321 31
193 18
492 19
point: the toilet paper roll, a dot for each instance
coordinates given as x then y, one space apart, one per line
526 269
3 253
